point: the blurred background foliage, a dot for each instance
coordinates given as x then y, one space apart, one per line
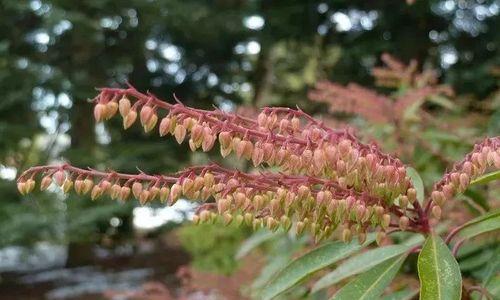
233 54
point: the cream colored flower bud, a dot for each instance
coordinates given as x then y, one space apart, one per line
111 109
154 192
124 106
124 193
205 216
87 186
164 193
346 235
386 220
99 112
285 223
361 237
175 193
227 219
144 197
438 198
284 124
164 127
96 192
187 185
67 185
380 237
295 123
436 212
30 185
46 181
257 224
196 219
180 133
129 119
146 114
403 223
79 185
239 219
136 189
208 143
21 187
299 227
262 119
105 185
272 224
150 125
115 191
223 205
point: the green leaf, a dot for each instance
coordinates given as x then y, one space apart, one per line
371 285
253 242
406 294
417 182
438 271
359 263
482 224
486 178
309 263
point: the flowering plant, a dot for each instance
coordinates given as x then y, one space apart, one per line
327 182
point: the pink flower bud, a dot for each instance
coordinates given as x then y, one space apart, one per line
187 185
46 181
208 143
105 185
257 156
79 185
145 115
341 167
271 121
124 106
180 133
448 191
129 119
464 181
284 124
136 189
306 157
467 168
21 187
99 112
344 148
225 139
319 159
295 124
262 119
60 177
205 216
165 126
175 193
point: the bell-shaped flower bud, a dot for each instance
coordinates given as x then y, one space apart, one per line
100 112
111 109
67 185
46 181
180 133
165 126
129 119
262 119
96 192
124 106
380 237
436 212
150 125
299 227
346 235
124 193
136 189
115 191
164 193
175 193
144 197
87 186
386 220
403 223
295 124
21 187
146 114
227 218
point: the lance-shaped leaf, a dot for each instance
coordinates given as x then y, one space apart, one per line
486 178
438 271
359 263
371 284
482 224
317 259
417 183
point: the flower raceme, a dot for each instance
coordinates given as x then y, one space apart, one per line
327 180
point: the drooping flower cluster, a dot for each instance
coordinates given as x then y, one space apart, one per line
375 107
328 178
484 155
